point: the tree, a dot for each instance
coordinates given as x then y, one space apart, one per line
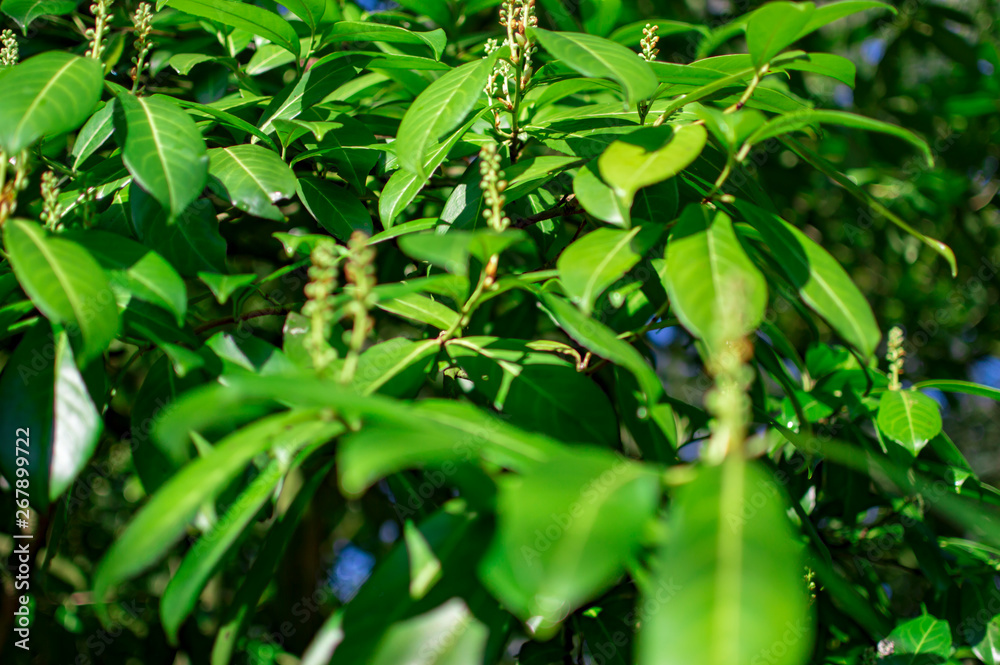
385 335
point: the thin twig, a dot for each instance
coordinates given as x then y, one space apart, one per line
226 320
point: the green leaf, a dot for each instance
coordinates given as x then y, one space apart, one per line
396 367
425 567
596 57
438 110
208 554
43 392
46 95
136 269
326 74
422 309
648 156
797 120
952 386
310 11
223 286
162 149
728 584
404 185
565 529
599 199
925 640
715 290
244 16
93 134
65 283
252 178
164 518
774 27
357 31
909 418
834 11
826 64
336 209
599 259
820 280
448 635
25 11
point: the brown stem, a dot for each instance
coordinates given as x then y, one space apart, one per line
226 320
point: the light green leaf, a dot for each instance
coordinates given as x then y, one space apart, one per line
162 149
93 134
425 567
952 386
909 418
834 11
820 280
438 110
336 209
357 31
715 290
46 95
310 11
648 156
252 178
44 403
422 309
227 119
565 529
599 259
404 185
925 640
65 283
797 120
728 582
223 286
596 57
774 27
599 199
452 251
244 16
25 11
827 64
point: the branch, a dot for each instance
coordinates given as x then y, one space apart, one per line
568 206
226 320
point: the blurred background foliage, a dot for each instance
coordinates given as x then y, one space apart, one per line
934 68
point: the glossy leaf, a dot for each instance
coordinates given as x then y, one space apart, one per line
24 12
162 149
252 178
65 283
715 290
356 31
774 27
46 95
649 156
909 418
596 57
599 259
921 641
45 403
337 210
438 110
251 18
